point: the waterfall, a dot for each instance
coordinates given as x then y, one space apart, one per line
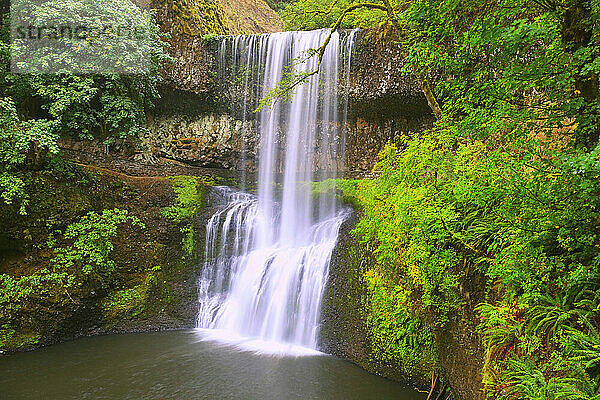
268 254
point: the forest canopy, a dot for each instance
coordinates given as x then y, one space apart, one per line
39 108
503 190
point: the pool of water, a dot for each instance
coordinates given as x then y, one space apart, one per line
183 365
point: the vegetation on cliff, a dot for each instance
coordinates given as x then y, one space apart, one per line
190 200
94 253
495 208
198 18
82 265
446 210
218 17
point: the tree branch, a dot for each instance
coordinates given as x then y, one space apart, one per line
285 89
429 95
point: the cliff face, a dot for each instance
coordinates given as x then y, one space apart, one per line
346 333
152 286
386 104
195 121
187 22
211 140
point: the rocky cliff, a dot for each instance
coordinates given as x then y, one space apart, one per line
188 24
346 332
195 122
152 284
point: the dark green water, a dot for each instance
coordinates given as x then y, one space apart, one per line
177 365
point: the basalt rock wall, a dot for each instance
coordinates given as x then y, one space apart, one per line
347 333
197 120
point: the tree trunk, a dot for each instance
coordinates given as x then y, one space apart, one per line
576 33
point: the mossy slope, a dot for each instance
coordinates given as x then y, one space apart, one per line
152 286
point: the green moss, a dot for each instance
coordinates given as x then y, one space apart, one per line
13 340
125 302
190 194
131 302
345 189
200 17
189 240
164 296
209 39
398 344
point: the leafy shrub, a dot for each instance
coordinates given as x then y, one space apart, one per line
32 139
189 200
209 39
119 37
91 244
101 106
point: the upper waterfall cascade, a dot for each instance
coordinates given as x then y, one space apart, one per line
268 254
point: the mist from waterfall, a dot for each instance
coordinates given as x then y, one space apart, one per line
268 254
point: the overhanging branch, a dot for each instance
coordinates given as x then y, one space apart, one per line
285 89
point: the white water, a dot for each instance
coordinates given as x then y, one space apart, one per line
268 255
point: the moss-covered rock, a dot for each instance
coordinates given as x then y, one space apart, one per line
151 285
198 17
11 339
125 303
190 192
356 324
344 311
349 326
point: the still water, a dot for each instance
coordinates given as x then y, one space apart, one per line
183 365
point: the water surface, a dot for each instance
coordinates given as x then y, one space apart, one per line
180 365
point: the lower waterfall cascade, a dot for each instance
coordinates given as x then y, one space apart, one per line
268 254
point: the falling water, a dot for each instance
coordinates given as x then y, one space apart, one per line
267 255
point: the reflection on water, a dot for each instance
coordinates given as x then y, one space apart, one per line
182 365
